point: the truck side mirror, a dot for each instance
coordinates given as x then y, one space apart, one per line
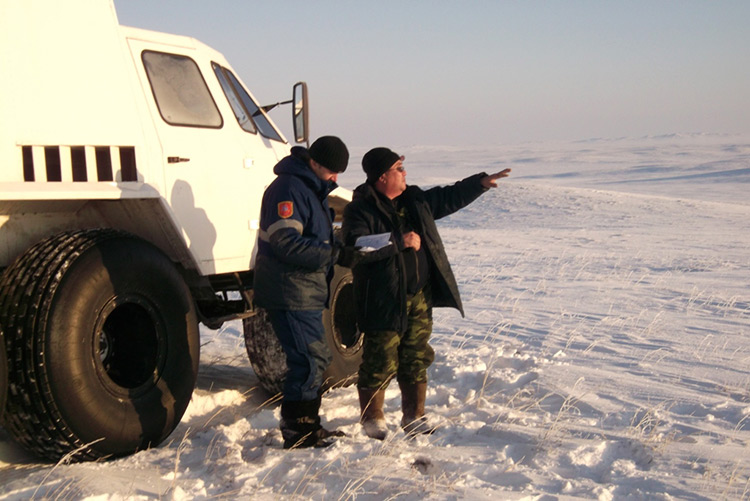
300 113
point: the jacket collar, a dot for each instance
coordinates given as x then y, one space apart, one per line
366 191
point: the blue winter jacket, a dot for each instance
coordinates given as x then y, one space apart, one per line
294 264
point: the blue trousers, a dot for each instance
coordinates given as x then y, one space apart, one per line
302 337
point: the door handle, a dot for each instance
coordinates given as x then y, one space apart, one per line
176 160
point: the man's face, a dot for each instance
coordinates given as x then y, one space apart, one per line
394 179
323 172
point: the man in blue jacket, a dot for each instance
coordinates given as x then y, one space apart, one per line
293 270
396 286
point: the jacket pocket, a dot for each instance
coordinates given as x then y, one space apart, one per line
307 289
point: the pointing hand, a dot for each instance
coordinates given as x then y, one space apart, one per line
491 180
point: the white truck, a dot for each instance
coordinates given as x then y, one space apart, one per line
132 166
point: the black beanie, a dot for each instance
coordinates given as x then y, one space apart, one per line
330 152
377 161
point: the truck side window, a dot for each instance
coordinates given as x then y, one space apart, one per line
180 92
244 106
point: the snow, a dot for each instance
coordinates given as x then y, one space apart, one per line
604 352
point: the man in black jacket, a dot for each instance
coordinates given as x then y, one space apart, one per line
293 270
397 285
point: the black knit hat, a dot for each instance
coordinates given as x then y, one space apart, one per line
330 152
377 161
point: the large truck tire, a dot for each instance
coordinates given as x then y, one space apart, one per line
342 336
102 342
264 350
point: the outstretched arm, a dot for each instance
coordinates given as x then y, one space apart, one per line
491 180
445 200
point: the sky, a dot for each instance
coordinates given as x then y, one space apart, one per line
481 72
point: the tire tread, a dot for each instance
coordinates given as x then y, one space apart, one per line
27 289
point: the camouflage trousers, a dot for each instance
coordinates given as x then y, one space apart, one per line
407 355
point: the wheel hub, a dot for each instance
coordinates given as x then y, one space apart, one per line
129 340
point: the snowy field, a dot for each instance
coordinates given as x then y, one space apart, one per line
604 354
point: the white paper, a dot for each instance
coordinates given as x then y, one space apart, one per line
369 243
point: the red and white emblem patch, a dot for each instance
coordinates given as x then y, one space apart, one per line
286 209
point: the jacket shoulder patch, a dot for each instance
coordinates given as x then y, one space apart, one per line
285 209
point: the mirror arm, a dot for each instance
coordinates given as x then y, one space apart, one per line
269 107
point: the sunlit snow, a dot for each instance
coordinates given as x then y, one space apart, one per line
604 354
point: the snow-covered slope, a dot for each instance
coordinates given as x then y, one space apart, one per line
604 353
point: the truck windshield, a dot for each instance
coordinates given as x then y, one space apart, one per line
246 110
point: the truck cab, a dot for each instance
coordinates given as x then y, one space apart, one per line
132 168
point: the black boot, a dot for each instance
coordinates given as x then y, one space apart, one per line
300 425
322 432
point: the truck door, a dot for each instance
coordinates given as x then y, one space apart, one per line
214 171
